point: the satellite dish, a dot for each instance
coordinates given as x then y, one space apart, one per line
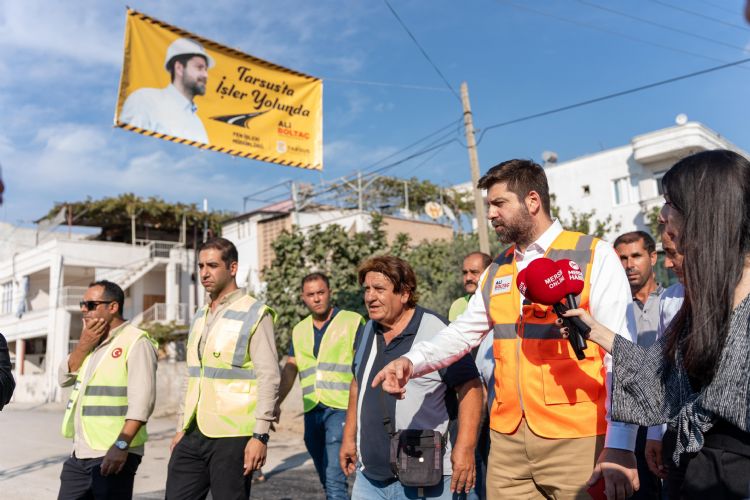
549 157
433 210
681 119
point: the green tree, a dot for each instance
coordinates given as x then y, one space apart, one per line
652 218
338 253
154 217
333 251
386 194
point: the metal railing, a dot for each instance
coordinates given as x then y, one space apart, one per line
164 313
157 248
71 296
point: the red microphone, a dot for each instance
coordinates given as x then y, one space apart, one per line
548 282
574 282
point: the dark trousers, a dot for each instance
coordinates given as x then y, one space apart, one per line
324 428
81 479
200 463
650 484
721 469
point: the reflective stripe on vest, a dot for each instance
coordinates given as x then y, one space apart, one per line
222 385
104 402
326 379
537 375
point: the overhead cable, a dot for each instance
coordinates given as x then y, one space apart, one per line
663 26
701 15
424 53
610 32
611 96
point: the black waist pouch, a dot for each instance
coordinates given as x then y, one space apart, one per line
417 457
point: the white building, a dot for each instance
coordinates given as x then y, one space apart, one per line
41 287
624 182
254 233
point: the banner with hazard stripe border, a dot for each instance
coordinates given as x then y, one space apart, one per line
222 100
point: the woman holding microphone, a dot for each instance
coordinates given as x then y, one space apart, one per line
697 378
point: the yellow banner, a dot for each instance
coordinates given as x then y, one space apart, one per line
183 88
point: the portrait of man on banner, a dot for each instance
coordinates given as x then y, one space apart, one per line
181 87
172 110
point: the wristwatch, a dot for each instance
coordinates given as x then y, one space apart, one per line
263 438
121 445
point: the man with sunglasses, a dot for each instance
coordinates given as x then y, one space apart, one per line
113 373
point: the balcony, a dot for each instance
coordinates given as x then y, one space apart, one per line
158 248
163 313
71 297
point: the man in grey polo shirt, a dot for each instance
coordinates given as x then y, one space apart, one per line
396 322
637 252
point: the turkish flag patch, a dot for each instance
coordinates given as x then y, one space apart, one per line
117 352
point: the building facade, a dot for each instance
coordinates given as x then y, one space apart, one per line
41 287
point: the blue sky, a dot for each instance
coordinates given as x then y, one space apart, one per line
60 66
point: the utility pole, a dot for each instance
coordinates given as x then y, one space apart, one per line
205 219
360 192
406 197
295 203
471 145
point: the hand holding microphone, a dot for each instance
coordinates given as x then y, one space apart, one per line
547 282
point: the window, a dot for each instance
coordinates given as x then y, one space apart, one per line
658 176
621 190
6 297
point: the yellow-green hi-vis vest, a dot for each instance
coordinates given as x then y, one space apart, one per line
458 307
326 379
104 403
222 387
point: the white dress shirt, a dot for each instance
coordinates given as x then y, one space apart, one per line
610 303
669 303
165 111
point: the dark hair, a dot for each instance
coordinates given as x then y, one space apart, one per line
223 245
182 59
635 236
314 277
486 259
711 190
522 177
113 292
398 272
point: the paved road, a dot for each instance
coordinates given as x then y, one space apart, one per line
32 451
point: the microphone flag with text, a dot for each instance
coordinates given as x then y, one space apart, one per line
547 282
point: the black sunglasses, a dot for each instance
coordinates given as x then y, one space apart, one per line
90 305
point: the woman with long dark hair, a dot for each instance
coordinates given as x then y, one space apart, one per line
697 378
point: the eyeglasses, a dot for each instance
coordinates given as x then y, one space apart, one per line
90 305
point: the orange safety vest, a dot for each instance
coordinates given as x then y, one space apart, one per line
537 375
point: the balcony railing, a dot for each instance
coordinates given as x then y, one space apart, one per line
164 313
71 296
157 248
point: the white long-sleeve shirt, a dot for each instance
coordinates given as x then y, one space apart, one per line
669 303
610 303
165 111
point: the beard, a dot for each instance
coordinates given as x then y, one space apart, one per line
519 229
195 86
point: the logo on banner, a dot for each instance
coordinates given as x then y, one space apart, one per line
117 352
502 284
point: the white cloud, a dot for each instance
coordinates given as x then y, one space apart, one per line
79 32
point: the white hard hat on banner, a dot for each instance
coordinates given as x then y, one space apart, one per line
183 46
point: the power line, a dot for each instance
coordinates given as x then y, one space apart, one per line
699 14
720 7
663 26
424 53
611 96
611 32
385 84
406 148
